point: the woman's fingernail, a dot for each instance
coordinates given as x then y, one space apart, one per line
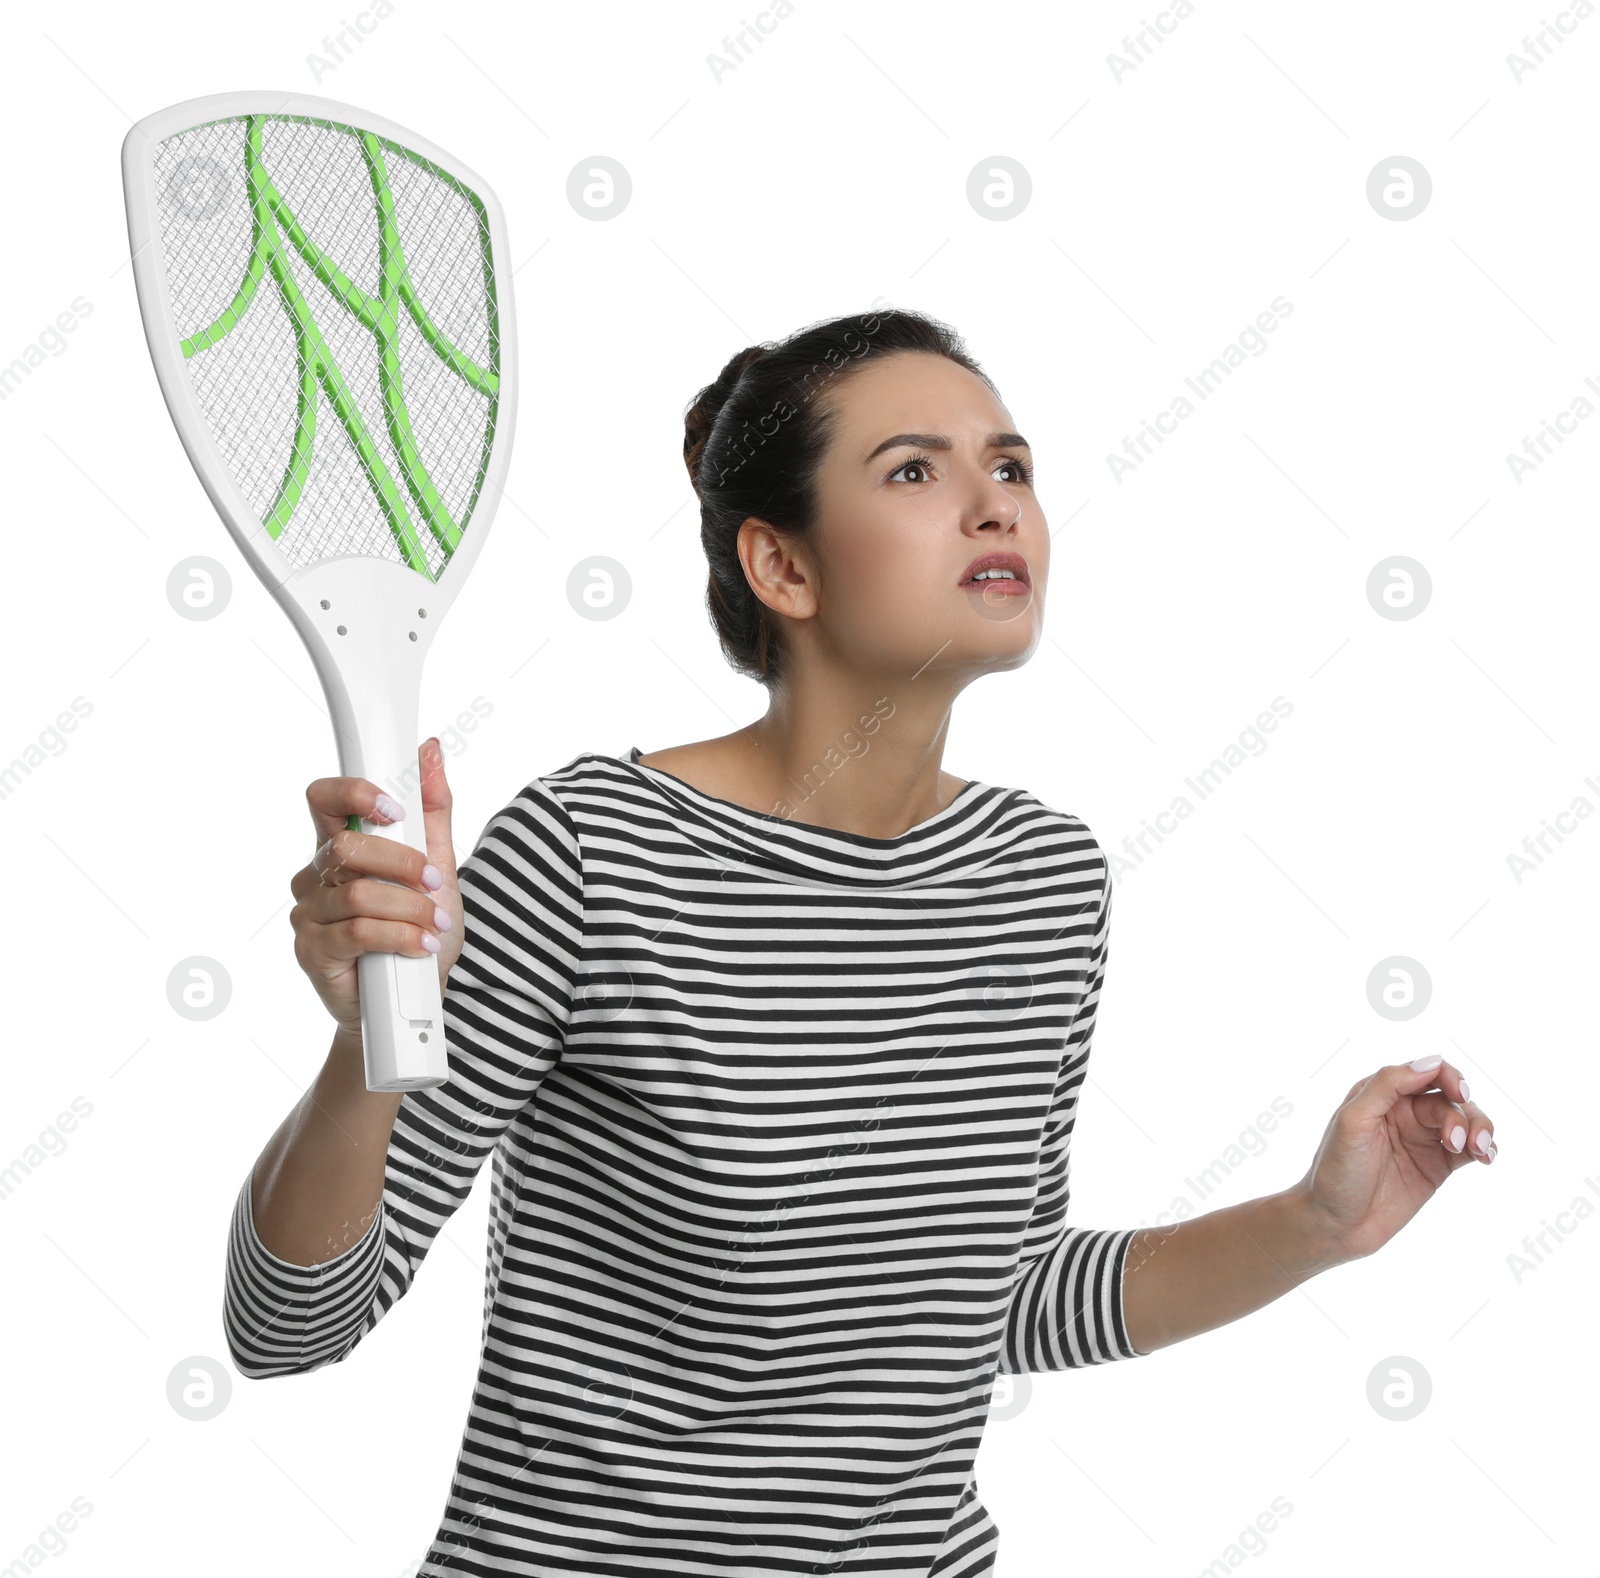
1458 1137
1422 1064
391 808
441 919
1463 1090
431 877
430 942
1482 1142
1494 1150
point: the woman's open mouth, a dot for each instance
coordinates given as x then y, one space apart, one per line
1006 573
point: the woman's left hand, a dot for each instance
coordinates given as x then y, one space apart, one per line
1388 1148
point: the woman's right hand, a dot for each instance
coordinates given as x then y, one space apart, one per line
342 911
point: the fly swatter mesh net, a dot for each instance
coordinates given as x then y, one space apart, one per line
334 296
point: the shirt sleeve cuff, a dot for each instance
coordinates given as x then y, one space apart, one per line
281 1318
1066 1308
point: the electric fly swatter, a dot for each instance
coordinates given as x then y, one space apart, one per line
328 307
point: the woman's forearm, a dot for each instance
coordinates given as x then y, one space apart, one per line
316 1185
1202 1273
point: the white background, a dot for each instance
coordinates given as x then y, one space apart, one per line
828 170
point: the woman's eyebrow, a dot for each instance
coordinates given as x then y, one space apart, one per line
939 441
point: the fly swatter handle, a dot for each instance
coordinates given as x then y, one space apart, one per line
372 678
402 1011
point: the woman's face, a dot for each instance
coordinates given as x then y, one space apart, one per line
925 474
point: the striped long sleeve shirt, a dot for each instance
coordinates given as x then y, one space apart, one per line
780 1122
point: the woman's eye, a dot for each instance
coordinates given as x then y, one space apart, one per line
910 465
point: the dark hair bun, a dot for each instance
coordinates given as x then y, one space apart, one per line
702 414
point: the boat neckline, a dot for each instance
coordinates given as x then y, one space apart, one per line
970 790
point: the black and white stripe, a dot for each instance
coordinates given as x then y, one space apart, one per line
780 1119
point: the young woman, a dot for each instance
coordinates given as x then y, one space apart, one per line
776 1040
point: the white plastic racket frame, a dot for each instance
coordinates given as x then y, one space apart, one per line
372 673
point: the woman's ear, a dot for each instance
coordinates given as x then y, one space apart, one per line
780 569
